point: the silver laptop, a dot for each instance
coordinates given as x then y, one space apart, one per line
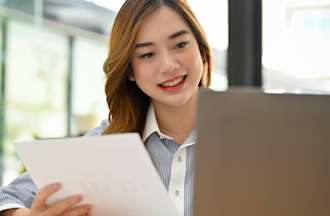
262 155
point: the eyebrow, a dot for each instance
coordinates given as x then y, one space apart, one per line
177 34
172 36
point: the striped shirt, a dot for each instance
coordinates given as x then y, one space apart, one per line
173 162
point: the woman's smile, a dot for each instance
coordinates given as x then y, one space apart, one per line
173 84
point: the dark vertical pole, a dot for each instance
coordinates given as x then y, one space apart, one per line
69 86
245 43
3 55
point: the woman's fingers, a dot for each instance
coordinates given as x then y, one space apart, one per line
63 205
79 211
43 194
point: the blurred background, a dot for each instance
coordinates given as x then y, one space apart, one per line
52 53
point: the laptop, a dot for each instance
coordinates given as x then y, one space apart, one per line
262 154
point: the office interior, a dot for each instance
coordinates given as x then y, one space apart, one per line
52 54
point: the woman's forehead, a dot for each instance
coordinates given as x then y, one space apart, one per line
160 24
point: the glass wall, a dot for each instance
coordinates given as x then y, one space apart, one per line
36 86
2 129
36 82
213 15
296 42
89 101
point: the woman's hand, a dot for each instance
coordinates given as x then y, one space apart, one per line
64 207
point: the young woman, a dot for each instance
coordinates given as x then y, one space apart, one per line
159 58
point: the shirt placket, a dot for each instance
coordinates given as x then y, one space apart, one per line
177 179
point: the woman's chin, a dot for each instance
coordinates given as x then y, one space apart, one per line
174 100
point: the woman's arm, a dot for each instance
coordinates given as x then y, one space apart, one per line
16 212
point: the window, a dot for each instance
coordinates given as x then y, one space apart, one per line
213 16
35 87
89 104
296 42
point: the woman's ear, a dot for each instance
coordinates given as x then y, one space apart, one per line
131 76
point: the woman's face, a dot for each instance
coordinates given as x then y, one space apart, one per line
167 64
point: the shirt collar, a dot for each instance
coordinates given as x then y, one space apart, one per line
191 139
151 126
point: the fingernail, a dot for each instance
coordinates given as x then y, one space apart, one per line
57 184
89 210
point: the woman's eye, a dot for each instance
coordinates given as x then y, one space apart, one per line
146 55
182 44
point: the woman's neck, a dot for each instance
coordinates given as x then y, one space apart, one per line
177 121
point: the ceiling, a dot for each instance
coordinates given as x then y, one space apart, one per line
78 13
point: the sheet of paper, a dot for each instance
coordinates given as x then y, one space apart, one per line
114 173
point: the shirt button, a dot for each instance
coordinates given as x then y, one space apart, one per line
177 192
179 159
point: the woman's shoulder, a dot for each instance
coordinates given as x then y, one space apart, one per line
99 129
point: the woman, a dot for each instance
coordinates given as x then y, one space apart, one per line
159 58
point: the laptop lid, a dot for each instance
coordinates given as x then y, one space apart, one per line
261 154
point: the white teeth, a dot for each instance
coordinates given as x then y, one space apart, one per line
173 83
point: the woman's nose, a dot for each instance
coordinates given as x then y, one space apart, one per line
169 63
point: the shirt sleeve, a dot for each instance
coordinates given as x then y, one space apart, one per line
21 192
98 130
18 194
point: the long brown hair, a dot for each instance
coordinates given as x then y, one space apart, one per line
127 104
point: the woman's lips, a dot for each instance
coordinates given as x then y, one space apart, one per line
173 81
173 84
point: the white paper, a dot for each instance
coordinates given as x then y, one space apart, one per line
114 173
